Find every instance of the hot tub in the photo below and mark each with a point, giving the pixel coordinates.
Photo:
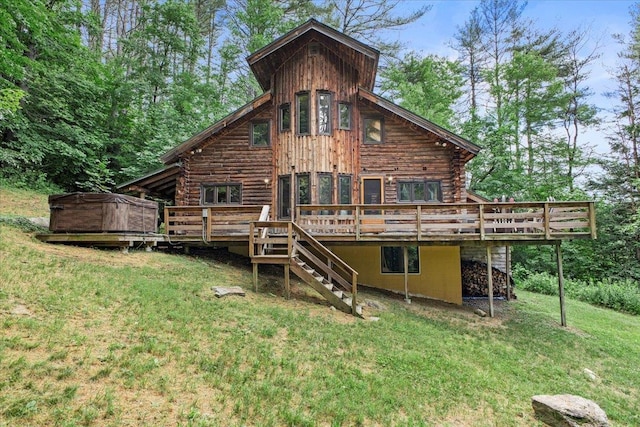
(102, 213)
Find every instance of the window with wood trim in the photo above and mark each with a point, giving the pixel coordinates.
(373, 130)
(284, 117)
(392, 259)
(324, 112)
(221, 194)
(419, 191)
(303, 189)
(260, 136)
(344, 189)
(303, 109)
(344, 116)
(325, 189)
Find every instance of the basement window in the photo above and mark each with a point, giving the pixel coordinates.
(392, 258)
(221, 194)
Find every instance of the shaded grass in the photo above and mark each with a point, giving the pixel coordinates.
(139, 339)
(20, 202)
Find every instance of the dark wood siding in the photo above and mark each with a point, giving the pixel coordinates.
(229, 158)
(313, 153)
(409, 154)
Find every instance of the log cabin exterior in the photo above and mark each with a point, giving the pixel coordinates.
(380, 188)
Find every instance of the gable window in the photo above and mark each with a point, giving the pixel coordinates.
(260, 134)
(373, 130)
(303, 108)
(324, 113)
(344, 116)
(392, 259)
(419, 191)
(221, 194)
(284, 117)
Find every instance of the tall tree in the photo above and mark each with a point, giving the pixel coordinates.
(429, 86)
(366, 20)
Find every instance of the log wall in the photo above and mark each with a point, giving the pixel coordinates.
(409, 154)
(229, 158)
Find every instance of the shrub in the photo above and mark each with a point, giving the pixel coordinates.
(620, 296)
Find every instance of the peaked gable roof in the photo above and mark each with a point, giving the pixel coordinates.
(266, 61)
(174, 154)
(421, 122)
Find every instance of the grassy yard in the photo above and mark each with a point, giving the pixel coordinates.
(96, 337)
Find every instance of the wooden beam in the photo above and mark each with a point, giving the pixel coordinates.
(405, 253)
(563, 314)
(255, 277)
(490, 280)
(287, 284)
(508, 268)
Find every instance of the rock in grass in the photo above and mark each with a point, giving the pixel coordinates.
(566, 410)
(221, 291)
(480, 313)
(590, 374)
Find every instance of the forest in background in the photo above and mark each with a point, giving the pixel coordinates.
(93, 91)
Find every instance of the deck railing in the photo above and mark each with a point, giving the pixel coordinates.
(452, 221)
(209, 223)
(410, 222)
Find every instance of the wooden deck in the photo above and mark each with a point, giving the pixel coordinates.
(424, 224)
(460, 223)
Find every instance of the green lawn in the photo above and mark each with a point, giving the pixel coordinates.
(96, 337)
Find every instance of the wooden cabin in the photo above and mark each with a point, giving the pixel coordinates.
(357, 180)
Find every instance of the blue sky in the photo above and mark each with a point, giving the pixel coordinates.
(434, 31)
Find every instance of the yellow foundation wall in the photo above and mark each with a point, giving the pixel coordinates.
(439, 277)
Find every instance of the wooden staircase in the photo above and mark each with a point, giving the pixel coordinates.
(284, 242)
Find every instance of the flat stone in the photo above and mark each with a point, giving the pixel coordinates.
(480, 313)
(567, 410)
(21, 310)
(221, 291)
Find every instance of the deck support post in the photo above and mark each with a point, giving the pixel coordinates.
(405, 253)
(287, 284)
(255, 276)
(508, 268)
(563, 314)
(490, 281)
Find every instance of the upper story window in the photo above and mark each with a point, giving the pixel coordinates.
(344, 116)
(419, 191)
(324, 113)
(260, 136)
(221, 194)
(303, 108)
(284, 117)
(373, 130)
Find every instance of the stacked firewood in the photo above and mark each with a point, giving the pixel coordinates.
(475, 283)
